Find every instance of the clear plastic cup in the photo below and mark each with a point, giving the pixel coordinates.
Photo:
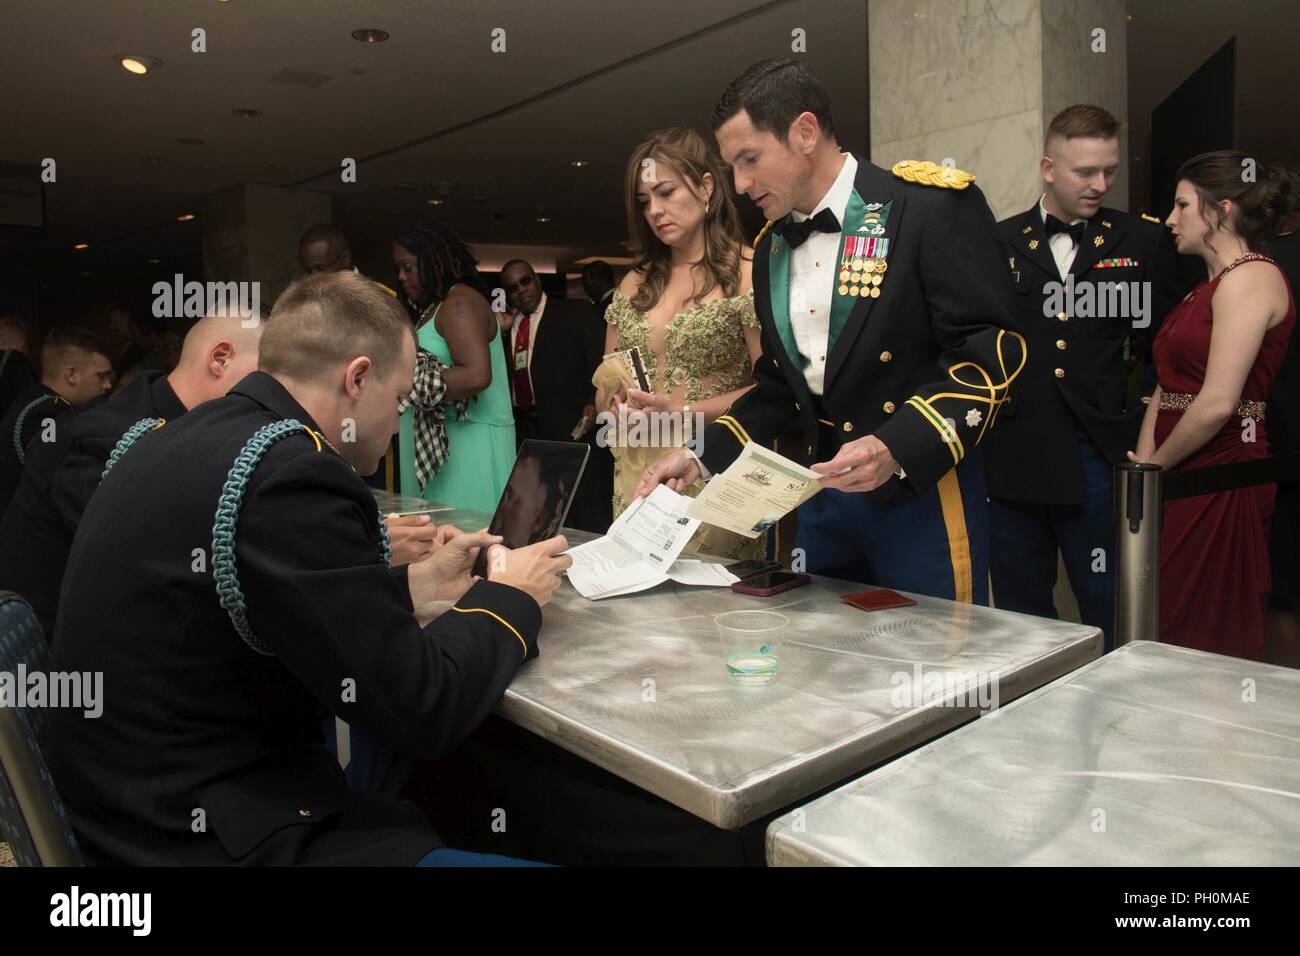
(751, 644)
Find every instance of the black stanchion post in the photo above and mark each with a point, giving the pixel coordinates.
(1139, 506)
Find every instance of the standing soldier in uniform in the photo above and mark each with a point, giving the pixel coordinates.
(887, 337)
(1050, 459)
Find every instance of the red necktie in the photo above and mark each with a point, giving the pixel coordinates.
(523, 387)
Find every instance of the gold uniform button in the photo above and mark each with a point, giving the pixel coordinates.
(1060, 344)
(1063, 317)
(888, 407)
(886, 356)
(848, 426)
(1060, 373)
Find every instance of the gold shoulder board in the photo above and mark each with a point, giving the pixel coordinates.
(926, 173)
(1151, 219)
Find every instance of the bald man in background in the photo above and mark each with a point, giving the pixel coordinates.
(75, 371)
(324, 247)
(37, 529)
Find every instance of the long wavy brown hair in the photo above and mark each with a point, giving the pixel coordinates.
(688, 155)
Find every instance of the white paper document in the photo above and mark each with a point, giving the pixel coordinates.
(755, 492)
(641, 549)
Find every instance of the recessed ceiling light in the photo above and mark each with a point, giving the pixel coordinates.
(191, 141)
(137, 63)
(543, 218)
(81, 245)
(154, 262)
(578, 163)
(370, 36)
(436, 202)
(185, 218)
(246, 114)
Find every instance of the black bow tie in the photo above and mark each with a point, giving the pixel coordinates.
(1054, 225)
(796, 232)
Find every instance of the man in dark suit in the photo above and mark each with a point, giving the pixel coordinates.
(75, 371)
(16, 375)
(37, 530)
(553, 347)
(887, 339)
(223, 646)
(1069, 420)
(599, 285)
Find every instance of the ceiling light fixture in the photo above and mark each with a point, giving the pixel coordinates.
(579, 163)
(370, 36)
(81, 245)
(137, 63)
(186, 218)
(543, 218)
(436, 202)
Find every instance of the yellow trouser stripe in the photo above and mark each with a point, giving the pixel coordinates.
(948, 435)
(954, 520)
(483, 610)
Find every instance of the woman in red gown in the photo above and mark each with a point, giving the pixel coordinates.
(1216, 355)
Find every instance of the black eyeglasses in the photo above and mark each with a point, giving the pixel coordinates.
(526, 280)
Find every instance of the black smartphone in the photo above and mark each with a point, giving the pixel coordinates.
(765, 585)
(747, 569)
(538, 494)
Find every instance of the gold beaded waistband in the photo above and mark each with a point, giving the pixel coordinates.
(1180, 402)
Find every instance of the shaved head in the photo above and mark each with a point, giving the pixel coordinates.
(219, 350)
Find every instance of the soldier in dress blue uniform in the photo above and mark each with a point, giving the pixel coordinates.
(887, 337)
(75, 371)
(224, 643)
(37, 530)
(1070, 420)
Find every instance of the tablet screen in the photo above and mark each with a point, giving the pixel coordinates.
(538, 494)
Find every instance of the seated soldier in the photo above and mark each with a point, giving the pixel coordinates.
(75, 370)
(224, 644)
(59, 478)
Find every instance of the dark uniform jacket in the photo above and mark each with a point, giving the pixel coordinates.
(36, 532)
(209, 751)
(1076, 376)
(936, 345)
(17, 436)
(16, 377)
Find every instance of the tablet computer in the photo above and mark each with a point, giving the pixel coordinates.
(538, 494)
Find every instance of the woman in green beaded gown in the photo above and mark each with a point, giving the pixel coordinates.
(454, 322)
(688, 303)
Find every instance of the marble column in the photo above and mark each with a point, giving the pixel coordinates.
(978, 81)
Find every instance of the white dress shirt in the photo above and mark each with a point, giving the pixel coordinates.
(1062, 244)
(813, 267)
(535, 319)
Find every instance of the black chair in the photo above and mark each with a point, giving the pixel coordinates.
(32, 818)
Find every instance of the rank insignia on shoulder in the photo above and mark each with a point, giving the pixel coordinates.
(1027, 230)
(927, 173)
(1106, 223)
(1151, 219)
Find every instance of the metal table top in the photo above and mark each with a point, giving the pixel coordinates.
(1152, 755)
(389, 502)
(637, 685)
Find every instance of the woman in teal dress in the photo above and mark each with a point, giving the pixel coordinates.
(454, 323)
